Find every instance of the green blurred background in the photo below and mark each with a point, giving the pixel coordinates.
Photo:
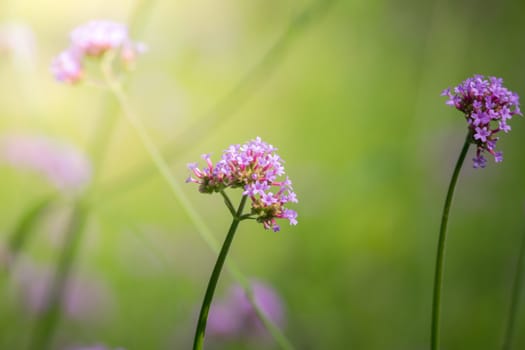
(349, 93)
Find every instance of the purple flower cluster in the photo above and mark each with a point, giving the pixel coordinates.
(255, 167)
(487, 106)
(94, 39)
(63, 165)
(234, 316)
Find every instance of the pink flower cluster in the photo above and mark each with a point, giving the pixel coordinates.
(255, 167)
(63, 165)
(94, 39)
(487, 106)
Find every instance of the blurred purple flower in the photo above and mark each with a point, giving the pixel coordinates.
(255, 167)
(94, 39)
(223, 321)
(487, 106)
(63, 165)
(235, 317)
(83, 298)
(67, 67)
(93, 347)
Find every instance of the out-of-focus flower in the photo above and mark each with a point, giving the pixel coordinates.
(67, 67)
(487, 106)
(17, 41)
(223, 320)
(64, 166)
(83, 298)
(235, 317)
(94, 39)
(255, 167)
(93, 347)
(266, 299)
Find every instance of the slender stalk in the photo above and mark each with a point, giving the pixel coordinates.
(44, 329)
(228, 203)
(515, 296)
(438, 276)
(210, 290)
(274, 331)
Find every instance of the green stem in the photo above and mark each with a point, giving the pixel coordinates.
(210, 290)
(44, 329)
(515, 296)
(438, 276)
(228, 203)
(274, 331)
(248, 216)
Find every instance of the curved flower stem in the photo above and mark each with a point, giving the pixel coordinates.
(514, 299)
(210, 290)
(438, 276)
(179, 195)
(275, 332)
(228, 203)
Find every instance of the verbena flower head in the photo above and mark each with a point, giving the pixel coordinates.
(94, 39)
(64, 166)
(257, 169)
(487, 106)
